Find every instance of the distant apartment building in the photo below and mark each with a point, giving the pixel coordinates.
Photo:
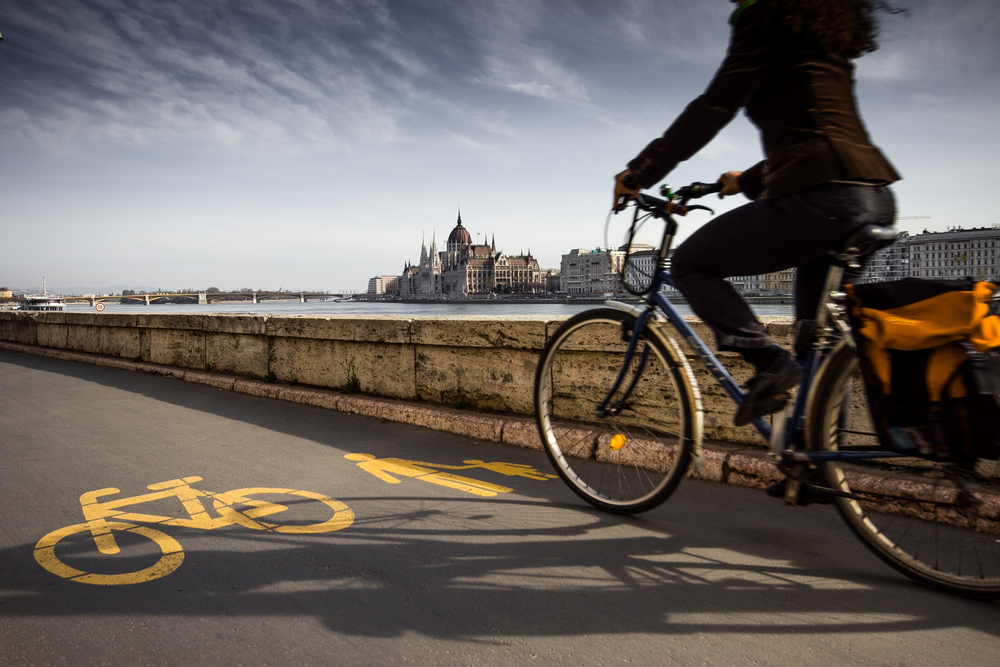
(956, 253)
(779, 282)
(552, 280)
(383, 285)
(641, 267)
(6, 293)
(588, 272)
(890, 263)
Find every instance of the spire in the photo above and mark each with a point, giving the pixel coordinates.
(460, 214)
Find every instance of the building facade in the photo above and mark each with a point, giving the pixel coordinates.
(388, 285)
(957, 253)
(465, 268)
(890, 263)
(589, 272)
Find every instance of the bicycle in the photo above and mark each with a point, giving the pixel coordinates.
(620, 416)
(225, 504)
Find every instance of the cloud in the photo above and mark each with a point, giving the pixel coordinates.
(936, 42)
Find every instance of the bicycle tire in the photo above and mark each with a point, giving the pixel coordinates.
(909, 511)
(248, 518)
(656, 426)
(173, 555)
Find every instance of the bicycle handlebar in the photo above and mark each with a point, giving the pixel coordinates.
(676, 202)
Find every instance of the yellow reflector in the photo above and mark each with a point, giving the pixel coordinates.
(617, 442)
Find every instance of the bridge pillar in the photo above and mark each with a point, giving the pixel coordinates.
(302, 298)
(93, 302)
(255, 297)
(146, 296)
(202, 299)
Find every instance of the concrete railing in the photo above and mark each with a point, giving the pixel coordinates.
(476, 362)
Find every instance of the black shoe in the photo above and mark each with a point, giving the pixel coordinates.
(767, 391)
(807, 494)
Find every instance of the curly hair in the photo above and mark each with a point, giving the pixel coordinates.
(846, 27)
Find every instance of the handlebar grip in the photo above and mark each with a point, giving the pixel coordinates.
(697, 190)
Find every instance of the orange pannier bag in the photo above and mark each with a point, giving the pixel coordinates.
(930, 365)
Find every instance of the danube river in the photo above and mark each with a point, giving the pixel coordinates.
(362, 308)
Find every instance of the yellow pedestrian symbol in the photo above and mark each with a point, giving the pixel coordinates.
(384, 469)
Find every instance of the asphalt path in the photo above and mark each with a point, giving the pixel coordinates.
(425, 558)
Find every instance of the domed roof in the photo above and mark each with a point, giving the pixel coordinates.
(460, 235)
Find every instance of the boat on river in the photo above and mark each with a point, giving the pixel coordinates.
(43, 304)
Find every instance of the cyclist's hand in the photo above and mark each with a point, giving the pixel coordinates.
(730, 184)
(623, 191)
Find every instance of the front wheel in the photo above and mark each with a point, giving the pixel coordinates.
(626, 453)
(937, 523)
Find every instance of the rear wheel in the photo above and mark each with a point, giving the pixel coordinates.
(937, 523)
(629, 456)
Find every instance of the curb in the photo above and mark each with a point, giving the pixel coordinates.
(727, 464)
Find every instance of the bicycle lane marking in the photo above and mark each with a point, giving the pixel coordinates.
(384, 469)
(102, 530)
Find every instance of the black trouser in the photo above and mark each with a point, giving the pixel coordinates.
(769, 235)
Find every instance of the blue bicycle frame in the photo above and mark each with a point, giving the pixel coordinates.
(781, 438)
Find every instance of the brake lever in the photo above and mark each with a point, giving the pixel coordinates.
(699, 207)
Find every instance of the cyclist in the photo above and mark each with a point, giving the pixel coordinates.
(789, 65)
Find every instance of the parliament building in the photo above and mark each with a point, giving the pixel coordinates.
(465, 268)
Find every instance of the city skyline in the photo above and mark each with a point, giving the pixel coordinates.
(266, 143)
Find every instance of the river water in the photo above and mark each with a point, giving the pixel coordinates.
(363, 308)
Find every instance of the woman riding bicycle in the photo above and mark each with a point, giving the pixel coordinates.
(789, 65)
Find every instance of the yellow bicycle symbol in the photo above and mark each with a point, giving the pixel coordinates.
(233, 507)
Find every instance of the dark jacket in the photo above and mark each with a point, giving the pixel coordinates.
(800, 97)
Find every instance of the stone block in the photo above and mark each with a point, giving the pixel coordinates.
(716, 458)
(239, 354)
(112, 320)
(360, 405)
(211, 379)
(258, 388)
(119, 341)
(315, 397)
(493, 379)
(522, 432)
(371, 329)
(177, 347)
(178, 321)
(514, 333)
(240, 325)
(381, 369)
(751, 469)
(50, 334)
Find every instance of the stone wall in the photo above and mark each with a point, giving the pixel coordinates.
(474, 362)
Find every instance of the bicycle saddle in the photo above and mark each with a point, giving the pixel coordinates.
(863, 241)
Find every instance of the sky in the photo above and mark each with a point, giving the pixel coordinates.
(313, 144)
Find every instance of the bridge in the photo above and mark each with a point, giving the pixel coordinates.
(207, 298)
